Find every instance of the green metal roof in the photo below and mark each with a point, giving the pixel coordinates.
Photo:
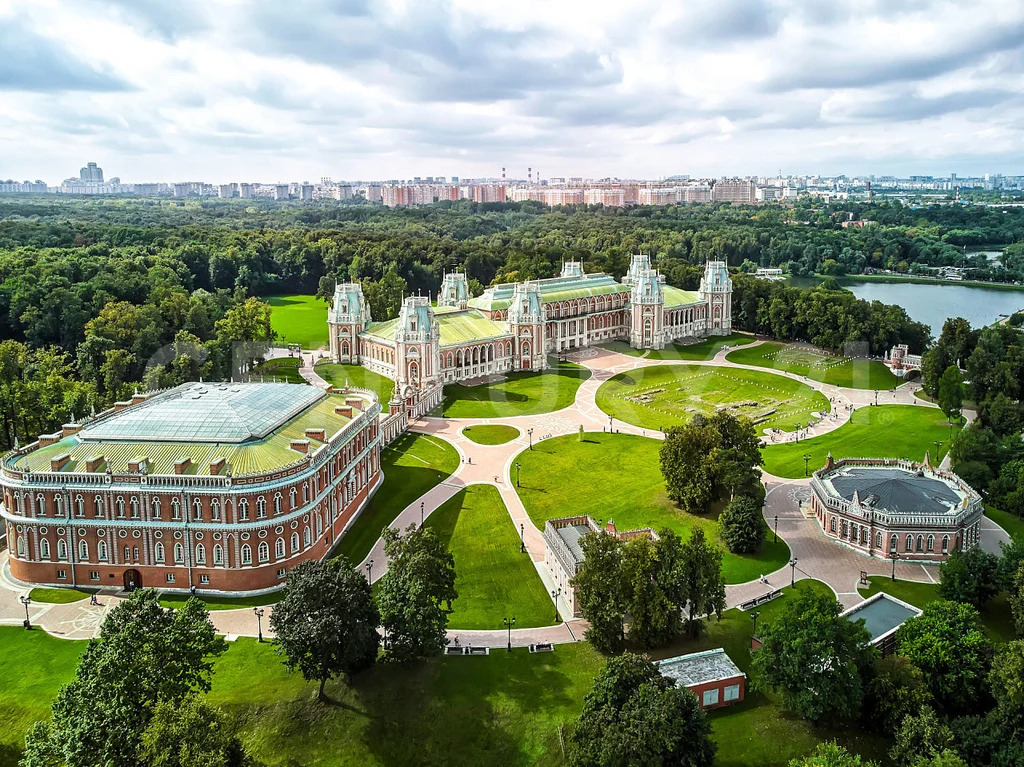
(676, 297)
(255, 456)
(498, 297)
(469, 326)
(385, 330)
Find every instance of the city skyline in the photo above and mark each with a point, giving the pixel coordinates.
(358, 91)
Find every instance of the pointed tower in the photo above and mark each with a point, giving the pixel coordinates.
(716, 292)
(646, 307)
(417, 348)
(572, 269)
(526, 324)
(454, 290)
(640, 262)
(347, 317)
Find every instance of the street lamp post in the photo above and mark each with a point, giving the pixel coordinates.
(792, 571)
(369, 572)
(775, 537)
(522, 537)
(555, 595)
(421, 513)
(508, 625)
(258, 612)
(611, 424)
(26, 601)
(518, 467)
(894, 555)
(937, 444)
(529, 433)
(807, 460)
(754, 616)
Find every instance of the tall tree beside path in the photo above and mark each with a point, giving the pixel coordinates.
(697, 581)
(415, 595)
(245, 333)
(599, 591)
(326, 622)
(951, 392)
(144, 656)
(814, 659)
(742, 525)
(636, 716)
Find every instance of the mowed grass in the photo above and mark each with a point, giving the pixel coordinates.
(59, 596)
(1014, 526)
(885, 431)
(282, 368)
(493, 578)
(701, 351)
(176, 601)
(504, 708)
(661, 396)
(491, 433)
(618, 477)
(995, 617)
(337, 375)
(412, 464)
(516, 393)
(299, 320)
(817, 365)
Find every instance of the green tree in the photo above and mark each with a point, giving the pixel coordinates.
(653, 618)
(634, 715)
(189, 733)
(921, 736)
(1007, 680)
(326, 621)
(599, 590)
(971, 577)
(951, 392)
(689, 464)
(1016, 597)
(947, 643)
(813, 658)
(742, 525)
(415, 595)
(696, 581)
(830, 754)
(144, 656)
(246, 331)
(897, 689)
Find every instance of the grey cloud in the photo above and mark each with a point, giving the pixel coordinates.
(707, 23)
(909, 106)
(169, 20)
(34, 63)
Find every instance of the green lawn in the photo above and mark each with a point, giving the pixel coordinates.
(996, 617)
(355, 375)
(702, 350)
(222, 603)
(299, 320)
(491, 433)
(1014, 526)
(886, 431)
(617, 477)
(504, 708)
(818, 366)
(494, 579)
(668, 395)
(411, 465)
(281, 368)
(59, 596)
(516, 394)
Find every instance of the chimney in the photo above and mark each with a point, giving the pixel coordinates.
(58, 463)
(93, 462)
(49, 439)
(70, 428)
(216, 465)
(354, 402)
(317, 434)
(182, 464)
(343, 410)
(829, 462)
(610, 527)
(138, 465)
(299, 445)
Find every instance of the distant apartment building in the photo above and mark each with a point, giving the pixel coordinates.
(739, 191)
(281, 192)
(91, 174)
(610, 198)
(193, 189)
(695, 193)
(23, 187)
(306, 192)
(227, 191)
(487, 192)
(246, 191)
(152, 189)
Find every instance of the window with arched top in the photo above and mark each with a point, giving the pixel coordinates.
(243, 510)
(156, 508)
(305, 495)
(197, 509)
(246, 555)
(910, 542)
(179, 553)
(175, 508)
(21, 547)
(215, 510)
(218, 554)
(277, 503)
(101, 551)
(158, 552)
(133, 506)
(79, 506)
(261, 507)
(295, 543)
(945, 544)
(306, 541)
(200, 554)
(931, 543)
(291, 497)
(319, 525)
(279, 548)
(98, 505)
(878, 540)
(119, 506)
(83, 550)
(264, 551)
(920, 543)
(893, 542)
(62, 549)
(44, 549)
(40, 505)
(58, 505)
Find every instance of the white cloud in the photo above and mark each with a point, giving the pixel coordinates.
(245, 89)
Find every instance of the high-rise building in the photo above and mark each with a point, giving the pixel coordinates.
(742, 191)
(91, 174)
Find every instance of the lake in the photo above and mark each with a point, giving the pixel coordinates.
(933, 304)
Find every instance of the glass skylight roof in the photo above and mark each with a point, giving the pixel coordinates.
(208, 412)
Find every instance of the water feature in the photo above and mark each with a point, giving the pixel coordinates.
(933, 304)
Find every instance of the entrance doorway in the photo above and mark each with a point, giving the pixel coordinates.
(132, 580)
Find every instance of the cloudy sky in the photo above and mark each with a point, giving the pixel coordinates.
(359, 89)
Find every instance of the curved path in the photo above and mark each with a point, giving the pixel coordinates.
(817, 556)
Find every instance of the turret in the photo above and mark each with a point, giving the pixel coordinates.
(454, 290)
(646, 307)
(526, 324)
(716, 292)
(572, 269)
(347, 317)
(640, 262)
(417, 346)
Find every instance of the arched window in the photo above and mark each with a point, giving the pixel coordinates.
(264, 551)
(40, 505)
(119, 505)
(305, 494)
(261, 507)
(243, 509)
(246, 555)
(218, 555)
(291, 497)
(277, 503)
(175, 508)
(920, 543)
(179, 553)
(878, 540)
(200, 554)
(134, 505)
(159, 552)
(21, 547)
(79, 506)
(83, 550)
(98, 505)
(101, 551)
(197, 509)
(945, 544)
(931, 543)
(135, 553)
(306, 537)
(16, 497)
(893, 542)
(295, 543)
(319, 525)
(62, 549)
(156, 508)
(58, 505)
(832, 524)
(215, 510)
(279, 548)
(44, 549)
(910, 542)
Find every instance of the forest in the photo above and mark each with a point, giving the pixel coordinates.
(99, 296)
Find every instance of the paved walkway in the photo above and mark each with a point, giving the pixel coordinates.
(817, 557)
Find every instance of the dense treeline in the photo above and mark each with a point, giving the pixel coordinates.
(98, 296)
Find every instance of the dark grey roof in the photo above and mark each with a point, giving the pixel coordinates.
(882, 614)
(699, 667)
(572, 535)
(896, 490)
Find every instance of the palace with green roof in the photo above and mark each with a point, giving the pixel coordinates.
(514, 326)
(220, 487)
